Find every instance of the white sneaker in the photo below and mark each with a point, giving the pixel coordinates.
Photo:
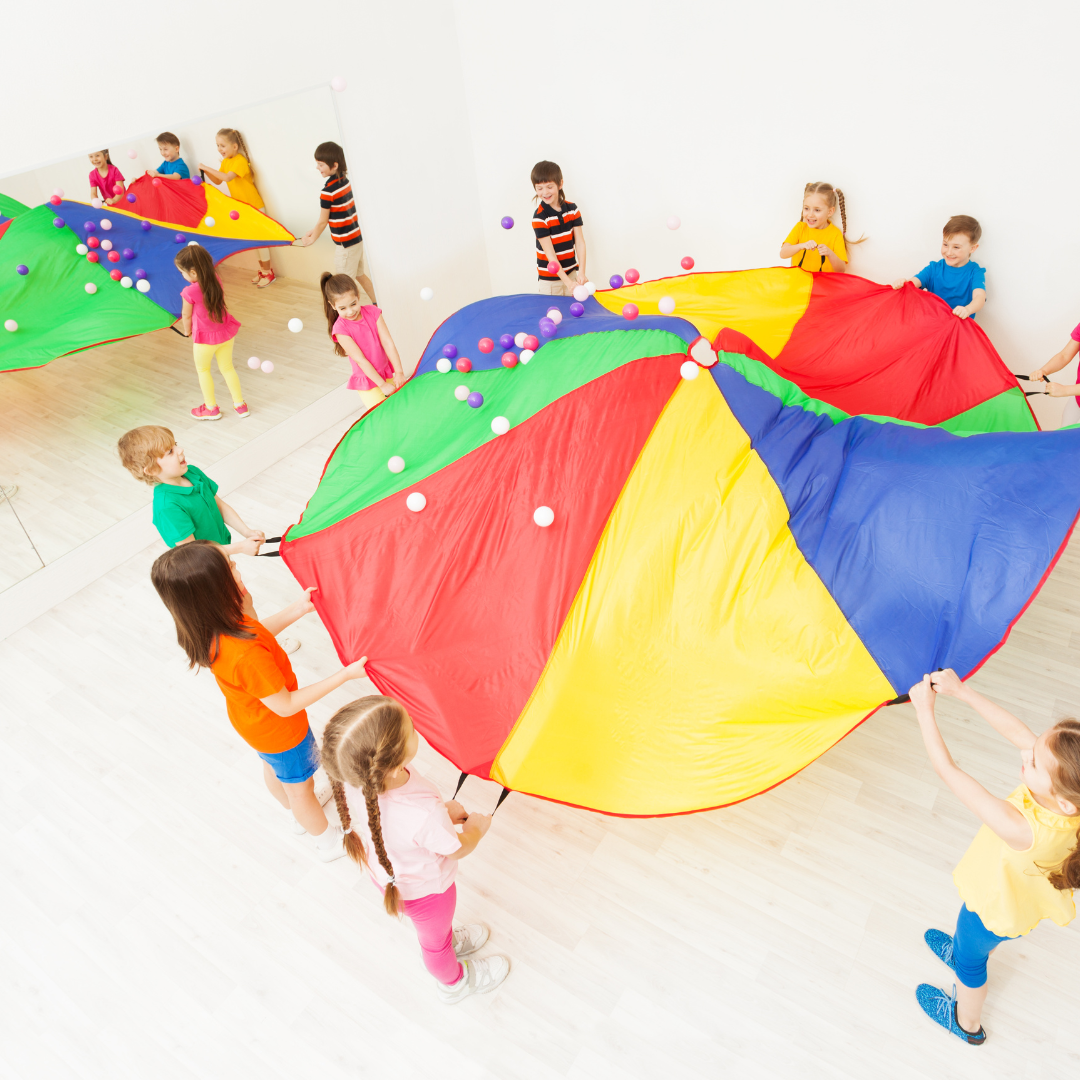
(467, 939)
(294, 826)
(479, 977)
(289, 644)
(323, 791)
(330, 845)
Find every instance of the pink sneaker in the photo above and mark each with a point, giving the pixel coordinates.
(203, 413)
(242, 409)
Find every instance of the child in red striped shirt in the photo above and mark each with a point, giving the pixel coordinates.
(559, 236)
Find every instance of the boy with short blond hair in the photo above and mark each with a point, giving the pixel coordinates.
(960, 282)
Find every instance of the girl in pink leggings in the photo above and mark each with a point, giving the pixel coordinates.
(367, 748)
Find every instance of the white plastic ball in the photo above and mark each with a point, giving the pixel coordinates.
(95, 202)
(106, 245)
(673, 222)
(689, 369)
(461, 392)
(58, 192)
(555, 315)
(142, 285)
(126, 282)
(338, 83)
(253, 362)
(133, 154)
(295, 325)
(666, 305)
(105, 223)
(519, 339)
(526, 355)
(500, 425)
(443, 365)
(193, 243)
(543, 516)
(209, 222)
(11, 325)
(90, 287)
(396, 464)
(82, 249)
(591, 286)
(426, 293)
(416, 501)
(267, 366)
(581, 293)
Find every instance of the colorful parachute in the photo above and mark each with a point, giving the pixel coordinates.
(50, 305)
(737, 574)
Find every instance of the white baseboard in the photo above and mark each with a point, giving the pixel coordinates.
(55, 582)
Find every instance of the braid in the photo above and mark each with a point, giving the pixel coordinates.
(354, 846)
(843, 213)
(391, 896)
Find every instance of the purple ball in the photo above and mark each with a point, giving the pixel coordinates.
(475, 399)
(89, 226)
(615, 281)
(58, 222)
(146, 226)
(545, 321)
(140, 274)
(506, 341)
(449, 351)
(130, 197)
(196, 180)
(128, 253)
(507, 222)
(179, 238)
(23, 269)
(577, 310)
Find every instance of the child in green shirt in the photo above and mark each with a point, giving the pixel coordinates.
(186, 504)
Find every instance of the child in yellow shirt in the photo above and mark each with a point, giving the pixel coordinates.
(237, 173)
(1024, 862)
(816, 244)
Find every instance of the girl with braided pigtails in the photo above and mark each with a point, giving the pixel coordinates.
(387, 808)
(815, 243)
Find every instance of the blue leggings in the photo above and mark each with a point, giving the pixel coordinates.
(972, 944)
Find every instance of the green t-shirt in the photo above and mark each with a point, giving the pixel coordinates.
(180, 512)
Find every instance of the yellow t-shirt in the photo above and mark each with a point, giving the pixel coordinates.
(242, 187)
(830, 236)
(1008, 889)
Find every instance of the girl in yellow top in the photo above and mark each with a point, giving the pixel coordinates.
(236, 172)
(816, 244)
(1024, 862)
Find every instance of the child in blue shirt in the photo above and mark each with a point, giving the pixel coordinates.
(960, 282)
(173, 166)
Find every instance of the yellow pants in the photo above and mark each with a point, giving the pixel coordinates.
(371, 397)
(203, 356)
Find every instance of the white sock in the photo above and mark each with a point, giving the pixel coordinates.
(329, 838)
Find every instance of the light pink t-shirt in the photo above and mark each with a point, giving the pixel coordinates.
(204, 331)
(365, 332)
(106, 184)
(417, 834)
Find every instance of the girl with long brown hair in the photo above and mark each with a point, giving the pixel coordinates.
(815, 243)
(217, 627)
(211, 328)
(399, 828)
(1024, 862)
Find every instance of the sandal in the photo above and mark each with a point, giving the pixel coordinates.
(265, 279)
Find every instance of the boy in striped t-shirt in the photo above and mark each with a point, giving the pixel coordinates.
(559, 237)
(338, 210)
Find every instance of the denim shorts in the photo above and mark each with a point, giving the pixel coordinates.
(296, 765)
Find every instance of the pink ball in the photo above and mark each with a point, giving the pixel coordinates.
(234, 214)
(56, 200)
(116, 275)
(114, 256)
(509, 359)
(485, 345)
(156, 181)
(253, 362)
(553, 267)
(463, 364)
(531, 342)
(267, 366)
(133, 154)
(631, 276)
(630, 311)
(92, 241)
(92, 256)
(686, 262)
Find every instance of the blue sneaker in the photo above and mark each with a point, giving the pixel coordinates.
(942, 1010)
(940, 945)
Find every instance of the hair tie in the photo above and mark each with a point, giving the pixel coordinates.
(348, 828)
(392, 881)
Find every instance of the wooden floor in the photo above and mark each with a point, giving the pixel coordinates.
(61, 421)
(156, 921)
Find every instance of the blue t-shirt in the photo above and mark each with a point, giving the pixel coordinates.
(177, 166)
(954, 284)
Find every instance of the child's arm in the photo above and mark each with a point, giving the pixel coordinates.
(116, 198)
(316, 230)
(839, 265)
(549, 250)
(978, 298)
(217, 175)
(233, 520)
(185, 317)
(789, 251)
(899, 283)
(288, 615)
(1057, 361)
(290, 702)
(947, 682)
(472, 833)
(366, 366)
(579, 247)
(1001, 816)
(391, 351)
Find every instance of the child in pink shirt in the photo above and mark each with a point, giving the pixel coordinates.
(1056, 362)
(359, 332)
(106, 180)
(402, 820)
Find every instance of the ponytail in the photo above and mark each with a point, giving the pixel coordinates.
(196, 260)
(236, 138)
(1063, 741)
(333, 287)
(354, 846)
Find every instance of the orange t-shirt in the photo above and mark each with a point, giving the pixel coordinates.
(254, 668)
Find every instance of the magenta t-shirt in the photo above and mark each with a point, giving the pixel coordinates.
(204, 331)
(106, 184)
(365, 332)
(1075, 335)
